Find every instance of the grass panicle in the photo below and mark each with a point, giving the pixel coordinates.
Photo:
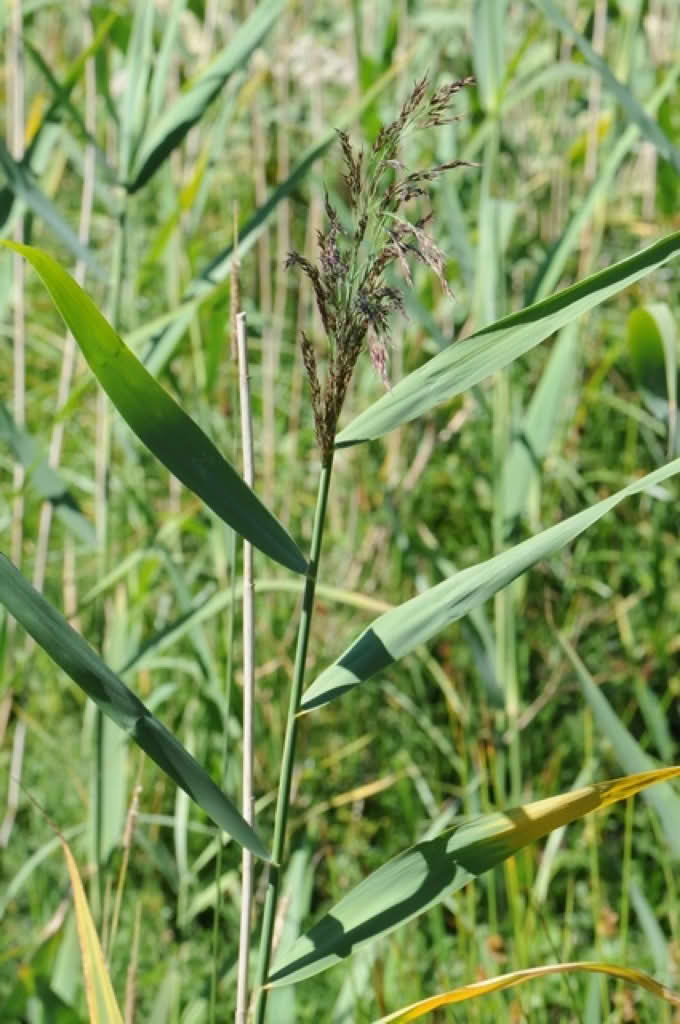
(354, 300)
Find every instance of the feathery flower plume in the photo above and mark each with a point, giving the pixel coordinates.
(353, 299)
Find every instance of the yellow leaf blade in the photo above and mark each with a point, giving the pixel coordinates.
(480, 988)
(101, 1001)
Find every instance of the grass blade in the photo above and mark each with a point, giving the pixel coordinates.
(415, 622)
(481, 988)
(101, 1001)
(47, 482)
(22, 185)
(139, 60)
(634, 112)
(422, 876)
(163, 60)
(540, 424)
(556, 260)
(158, 421)
(172, 127)
(62, 90)
(652, 337)
(72, 653)
(629, 754)
(468, 362)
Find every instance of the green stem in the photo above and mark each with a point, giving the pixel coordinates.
(283, 799)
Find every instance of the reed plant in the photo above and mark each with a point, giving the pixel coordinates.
(377, 233)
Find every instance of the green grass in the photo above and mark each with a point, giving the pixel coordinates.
(552, 202)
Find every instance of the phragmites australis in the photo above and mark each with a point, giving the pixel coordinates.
(354, 301)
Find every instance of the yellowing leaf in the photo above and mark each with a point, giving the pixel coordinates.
(480, 988)
(101, 1001)
(421, 877)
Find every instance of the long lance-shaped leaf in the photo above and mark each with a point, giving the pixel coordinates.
(74, 655)
(21, 182)
(158, 421)
(422, 876)
(101, 1001)
(631, 975)
(635, 113)
(397, 632)
(468, 362)
(173, 126)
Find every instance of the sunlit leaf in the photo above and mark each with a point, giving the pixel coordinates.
(542, 420)
(481, 988)
(399, 631)
(421, 877)
(635, 113)
(467, 362)
(628, 752)
(174, 124)
(652, 336)
(101, 1001)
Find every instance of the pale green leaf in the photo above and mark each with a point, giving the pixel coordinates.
(422, 876)
(172, 126)
(468, 362)
(400, 630)
(46, 481)
(629, 754)
(634, 112)
(101, 1001)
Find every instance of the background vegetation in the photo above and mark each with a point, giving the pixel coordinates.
(495, 711)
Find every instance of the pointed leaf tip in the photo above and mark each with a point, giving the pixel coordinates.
(420, 877)
(157, 419)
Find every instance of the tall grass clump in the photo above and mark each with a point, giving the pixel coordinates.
(367, 248)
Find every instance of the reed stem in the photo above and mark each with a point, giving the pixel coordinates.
(287, 761)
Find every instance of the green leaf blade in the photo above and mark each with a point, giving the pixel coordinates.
(173, 126)
(419, 878)
(649, 128)
(74, 655)
(22, 185)
(158, 421)
(399, 631)
(468, 362)
(629, 754)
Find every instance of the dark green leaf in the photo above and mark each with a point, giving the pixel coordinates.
(71, 652)
(159, 421)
